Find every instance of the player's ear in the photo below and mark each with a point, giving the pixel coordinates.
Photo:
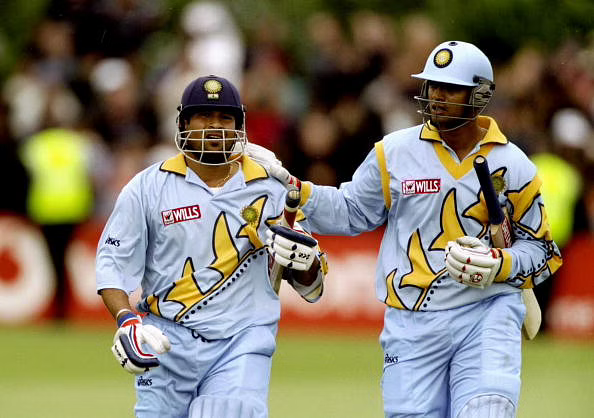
(180, 120)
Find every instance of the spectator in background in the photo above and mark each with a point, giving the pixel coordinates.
(13, 199)
(389, 94)
(559, 168)
(125, 121)
(109, 28)
(209, 42)
(273, 93)
(317, 137)
(215, 44)
(61, 193)
(339, 126)
(38, 92)
(121, 115)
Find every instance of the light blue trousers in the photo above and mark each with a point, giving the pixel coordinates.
(435, 362)
(235, 368)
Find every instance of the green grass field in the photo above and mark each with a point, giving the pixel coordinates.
(51, 372)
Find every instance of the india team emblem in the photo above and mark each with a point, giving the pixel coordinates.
(442, 58)
(498, 183)
(212, 88)
(250, 215)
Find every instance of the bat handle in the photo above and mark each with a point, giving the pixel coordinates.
(481, 167)
(292, 201)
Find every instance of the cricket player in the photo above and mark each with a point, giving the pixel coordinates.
(190, 231)
(452, 327)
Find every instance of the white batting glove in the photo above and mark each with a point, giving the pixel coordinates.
(128, 340)
(262, 155)
(291, 249)
(472, 263)
(273, 165)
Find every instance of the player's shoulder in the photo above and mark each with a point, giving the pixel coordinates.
(402, 141)
(148, 176)
(514, 155)
(519, 169)
(257, 176)
(403, 136)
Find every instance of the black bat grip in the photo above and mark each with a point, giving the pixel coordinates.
(483, 174)
(293, 198)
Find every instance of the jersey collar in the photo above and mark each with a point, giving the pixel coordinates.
(250, 168)
(493, 135)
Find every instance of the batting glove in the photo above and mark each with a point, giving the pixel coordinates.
(128, 340)
(273, 165)
(472, 263)
(291, 249)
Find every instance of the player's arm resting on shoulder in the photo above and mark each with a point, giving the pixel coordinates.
(305, 265)
(273, 165)
(474, 264)
(132, 334)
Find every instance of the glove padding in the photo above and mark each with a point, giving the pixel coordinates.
(127, 346)
(472, 263)
(273, 165)
(291, 249)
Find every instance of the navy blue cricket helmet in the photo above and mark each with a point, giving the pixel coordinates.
(211, 93)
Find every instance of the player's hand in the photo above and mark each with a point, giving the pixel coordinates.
(290, 248)
(273, 165)
(128, 340)
(472, 263)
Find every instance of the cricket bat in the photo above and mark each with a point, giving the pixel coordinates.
(501, 235)
(292, 201)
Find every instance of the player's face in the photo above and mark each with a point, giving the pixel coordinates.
(212, 133)
(446, 103)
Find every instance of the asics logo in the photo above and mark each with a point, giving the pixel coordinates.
(112, 241)
(388, 359)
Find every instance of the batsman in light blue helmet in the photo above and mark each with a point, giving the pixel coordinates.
(459, 64)
(452, 333)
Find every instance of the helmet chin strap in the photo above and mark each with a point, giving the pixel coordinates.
(200, 155)
(434, 126)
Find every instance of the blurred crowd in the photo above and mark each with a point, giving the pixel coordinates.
(93, 100)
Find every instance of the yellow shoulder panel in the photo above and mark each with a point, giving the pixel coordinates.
(385, 176)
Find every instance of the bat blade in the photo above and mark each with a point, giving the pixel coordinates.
(502, 237)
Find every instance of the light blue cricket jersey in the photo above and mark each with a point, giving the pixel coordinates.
(197, 259)
(413, 181)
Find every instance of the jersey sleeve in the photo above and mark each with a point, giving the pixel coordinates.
(122, 247)
(357, 206)
(534, 256)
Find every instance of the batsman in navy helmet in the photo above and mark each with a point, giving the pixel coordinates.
(190, 233)
(202, 138)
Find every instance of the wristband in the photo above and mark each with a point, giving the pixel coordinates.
(120, 311)
(130, 316)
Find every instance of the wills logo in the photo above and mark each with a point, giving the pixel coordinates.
(144, 382)
(188, 213)
(422, 186)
